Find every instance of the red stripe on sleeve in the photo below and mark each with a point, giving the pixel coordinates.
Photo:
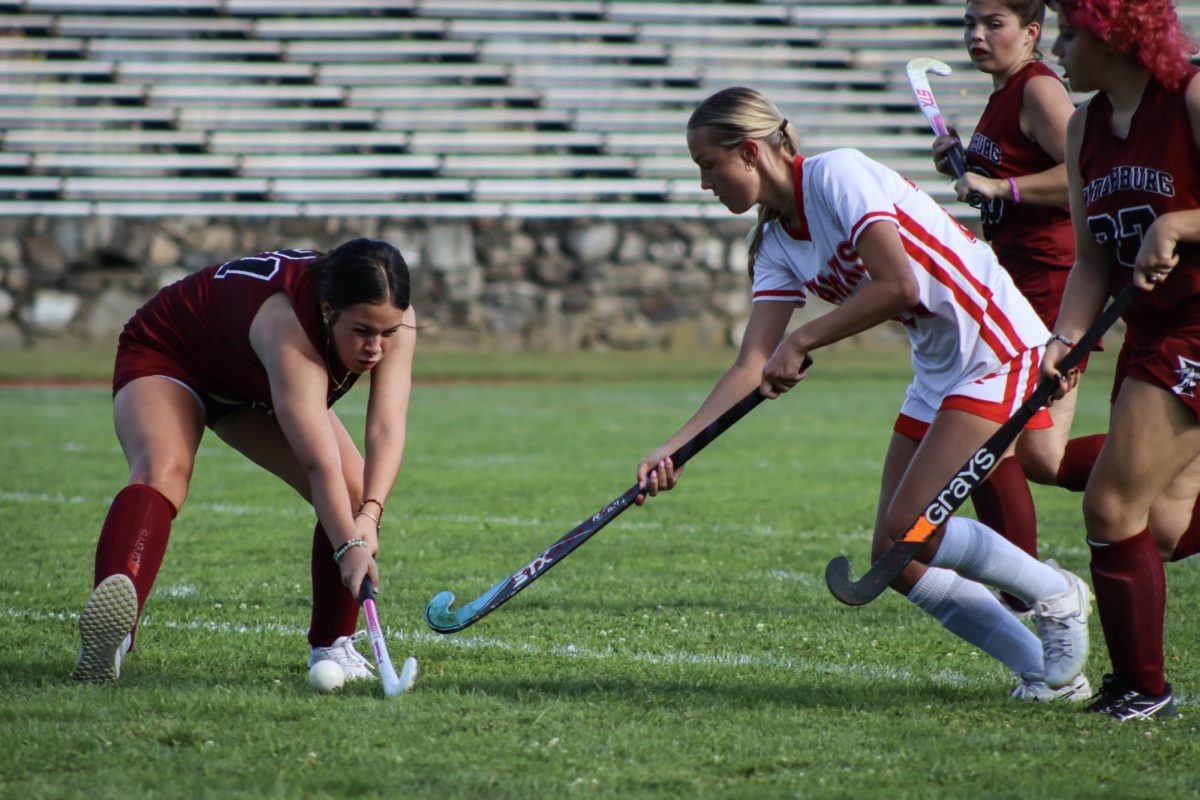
(867, 219)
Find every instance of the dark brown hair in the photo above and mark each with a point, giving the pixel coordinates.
(362, 271)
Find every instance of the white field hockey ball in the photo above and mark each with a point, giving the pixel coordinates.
(326, 676)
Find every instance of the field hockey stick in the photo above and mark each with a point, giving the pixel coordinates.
(974, 472)
(918, 79)
(444, 620)
(393, 684)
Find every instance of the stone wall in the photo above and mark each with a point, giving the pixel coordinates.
(548, 285)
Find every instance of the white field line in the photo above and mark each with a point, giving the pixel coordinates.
(727, 659)
(299, 509)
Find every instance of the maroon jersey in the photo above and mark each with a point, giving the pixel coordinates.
(1128, 183)
(1020, 234)
(201, 325)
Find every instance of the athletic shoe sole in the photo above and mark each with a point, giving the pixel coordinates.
(107, 618)
(1078, 691)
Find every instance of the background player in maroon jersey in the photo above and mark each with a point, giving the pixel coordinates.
(1133, 158)
(258, 349)
(1015, 163)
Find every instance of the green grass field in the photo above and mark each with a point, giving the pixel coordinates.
(689, 650)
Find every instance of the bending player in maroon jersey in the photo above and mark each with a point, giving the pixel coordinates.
(259, 349)
(1015, 163)
(849, 230)
(1133, 159)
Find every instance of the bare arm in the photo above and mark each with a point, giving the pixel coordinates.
(1158, 254)
(299, 380)
(387, 413)
(767, 324)
(892, 289)
(1045, 109)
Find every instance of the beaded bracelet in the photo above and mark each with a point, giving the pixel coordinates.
(376, 502)
(1058, 337)
(345, 548)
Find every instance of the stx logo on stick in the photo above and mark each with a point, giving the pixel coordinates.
(925, 98)
(530, 570)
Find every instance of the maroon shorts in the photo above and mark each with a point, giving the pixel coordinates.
(136, 360)
(1171, 362)
(1043, 287)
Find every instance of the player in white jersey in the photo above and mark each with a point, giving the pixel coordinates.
(969, 322)
(855, 233)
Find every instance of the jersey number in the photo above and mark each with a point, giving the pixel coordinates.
(262, 267)
(1124, 233)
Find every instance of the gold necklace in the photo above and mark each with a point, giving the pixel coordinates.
(337, 387)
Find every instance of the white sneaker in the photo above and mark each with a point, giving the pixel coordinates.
(1034, 688)
(1061, 622)
(346, 655)
(105, 625)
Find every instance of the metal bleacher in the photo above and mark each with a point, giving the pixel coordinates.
(432, 108)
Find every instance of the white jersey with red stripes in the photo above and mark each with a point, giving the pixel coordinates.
(971, 318)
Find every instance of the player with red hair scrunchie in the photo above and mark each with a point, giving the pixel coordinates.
(1133, 169)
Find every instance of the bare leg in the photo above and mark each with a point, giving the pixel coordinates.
(258, 436)
(159, 425)
(1146, 470)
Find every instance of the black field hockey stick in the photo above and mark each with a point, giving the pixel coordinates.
(966, 480)
(443, 619)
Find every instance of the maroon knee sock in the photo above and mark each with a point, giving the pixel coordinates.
(134, 538)
(1077, 461)
(1004, 503)
(1131, 593)
(334, 608)
(1189, 543)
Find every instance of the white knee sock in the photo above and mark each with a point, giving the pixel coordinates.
(975, 551)
(973, 614)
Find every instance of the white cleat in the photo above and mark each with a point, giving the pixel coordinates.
(343, 651)
(1036, 689)
(105, 625)
(1061, 622)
